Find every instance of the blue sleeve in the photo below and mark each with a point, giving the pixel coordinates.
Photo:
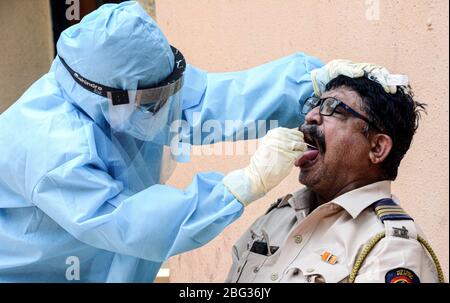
(250, 98)
(153, 224)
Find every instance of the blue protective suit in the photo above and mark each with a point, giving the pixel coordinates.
(65, 192)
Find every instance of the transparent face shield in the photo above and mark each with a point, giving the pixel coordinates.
(140, 123)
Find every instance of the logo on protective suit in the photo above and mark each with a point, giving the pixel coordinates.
(97, 89)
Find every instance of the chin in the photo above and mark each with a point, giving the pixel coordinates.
(305, 179)
(312, 174)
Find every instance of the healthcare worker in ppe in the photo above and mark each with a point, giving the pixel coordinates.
(86, 150)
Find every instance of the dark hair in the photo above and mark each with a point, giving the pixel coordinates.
(397, 115)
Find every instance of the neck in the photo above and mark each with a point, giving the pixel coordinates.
(329, 195)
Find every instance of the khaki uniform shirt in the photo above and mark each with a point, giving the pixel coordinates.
(298, 237)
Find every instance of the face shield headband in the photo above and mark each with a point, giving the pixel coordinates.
(151, 99)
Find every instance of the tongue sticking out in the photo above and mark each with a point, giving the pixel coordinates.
(308, 157)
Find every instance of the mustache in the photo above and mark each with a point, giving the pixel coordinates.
(314, 133)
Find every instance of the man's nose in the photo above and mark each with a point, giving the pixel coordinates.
(314, 116)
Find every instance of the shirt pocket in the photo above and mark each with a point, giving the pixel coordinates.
(249, 267)
(311, 269)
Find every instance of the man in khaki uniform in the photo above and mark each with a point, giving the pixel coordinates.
(345, 225)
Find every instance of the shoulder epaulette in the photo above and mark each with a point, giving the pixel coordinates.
(281, 202)
(398, 224)
(387, 209)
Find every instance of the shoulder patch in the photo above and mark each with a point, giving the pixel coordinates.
(387, 209)
(281, 202)
(401, 275)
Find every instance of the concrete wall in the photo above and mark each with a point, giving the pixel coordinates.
(406, 36)
(27, 46)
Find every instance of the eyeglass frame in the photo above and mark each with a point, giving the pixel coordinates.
(339, 104)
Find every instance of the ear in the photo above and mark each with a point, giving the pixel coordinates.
(380, 147)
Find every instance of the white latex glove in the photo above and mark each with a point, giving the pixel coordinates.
(271, 163)
(321, 76)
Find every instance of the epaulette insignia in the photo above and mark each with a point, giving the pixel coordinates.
(387, 209)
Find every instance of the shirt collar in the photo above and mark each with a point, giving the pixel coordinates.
(357, 200)
(302, 199)
(354, 202)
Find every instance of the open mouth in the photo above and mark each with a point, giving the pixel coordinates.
(309, 158)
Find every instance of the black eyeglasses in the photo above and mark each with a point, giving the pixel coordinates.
(328, 106)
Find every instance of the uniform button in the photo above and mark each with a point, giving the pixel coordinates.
(310, 270)
(298, 239)
(256, 269)
(239, 269)
(274, 276)
(296, 272)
